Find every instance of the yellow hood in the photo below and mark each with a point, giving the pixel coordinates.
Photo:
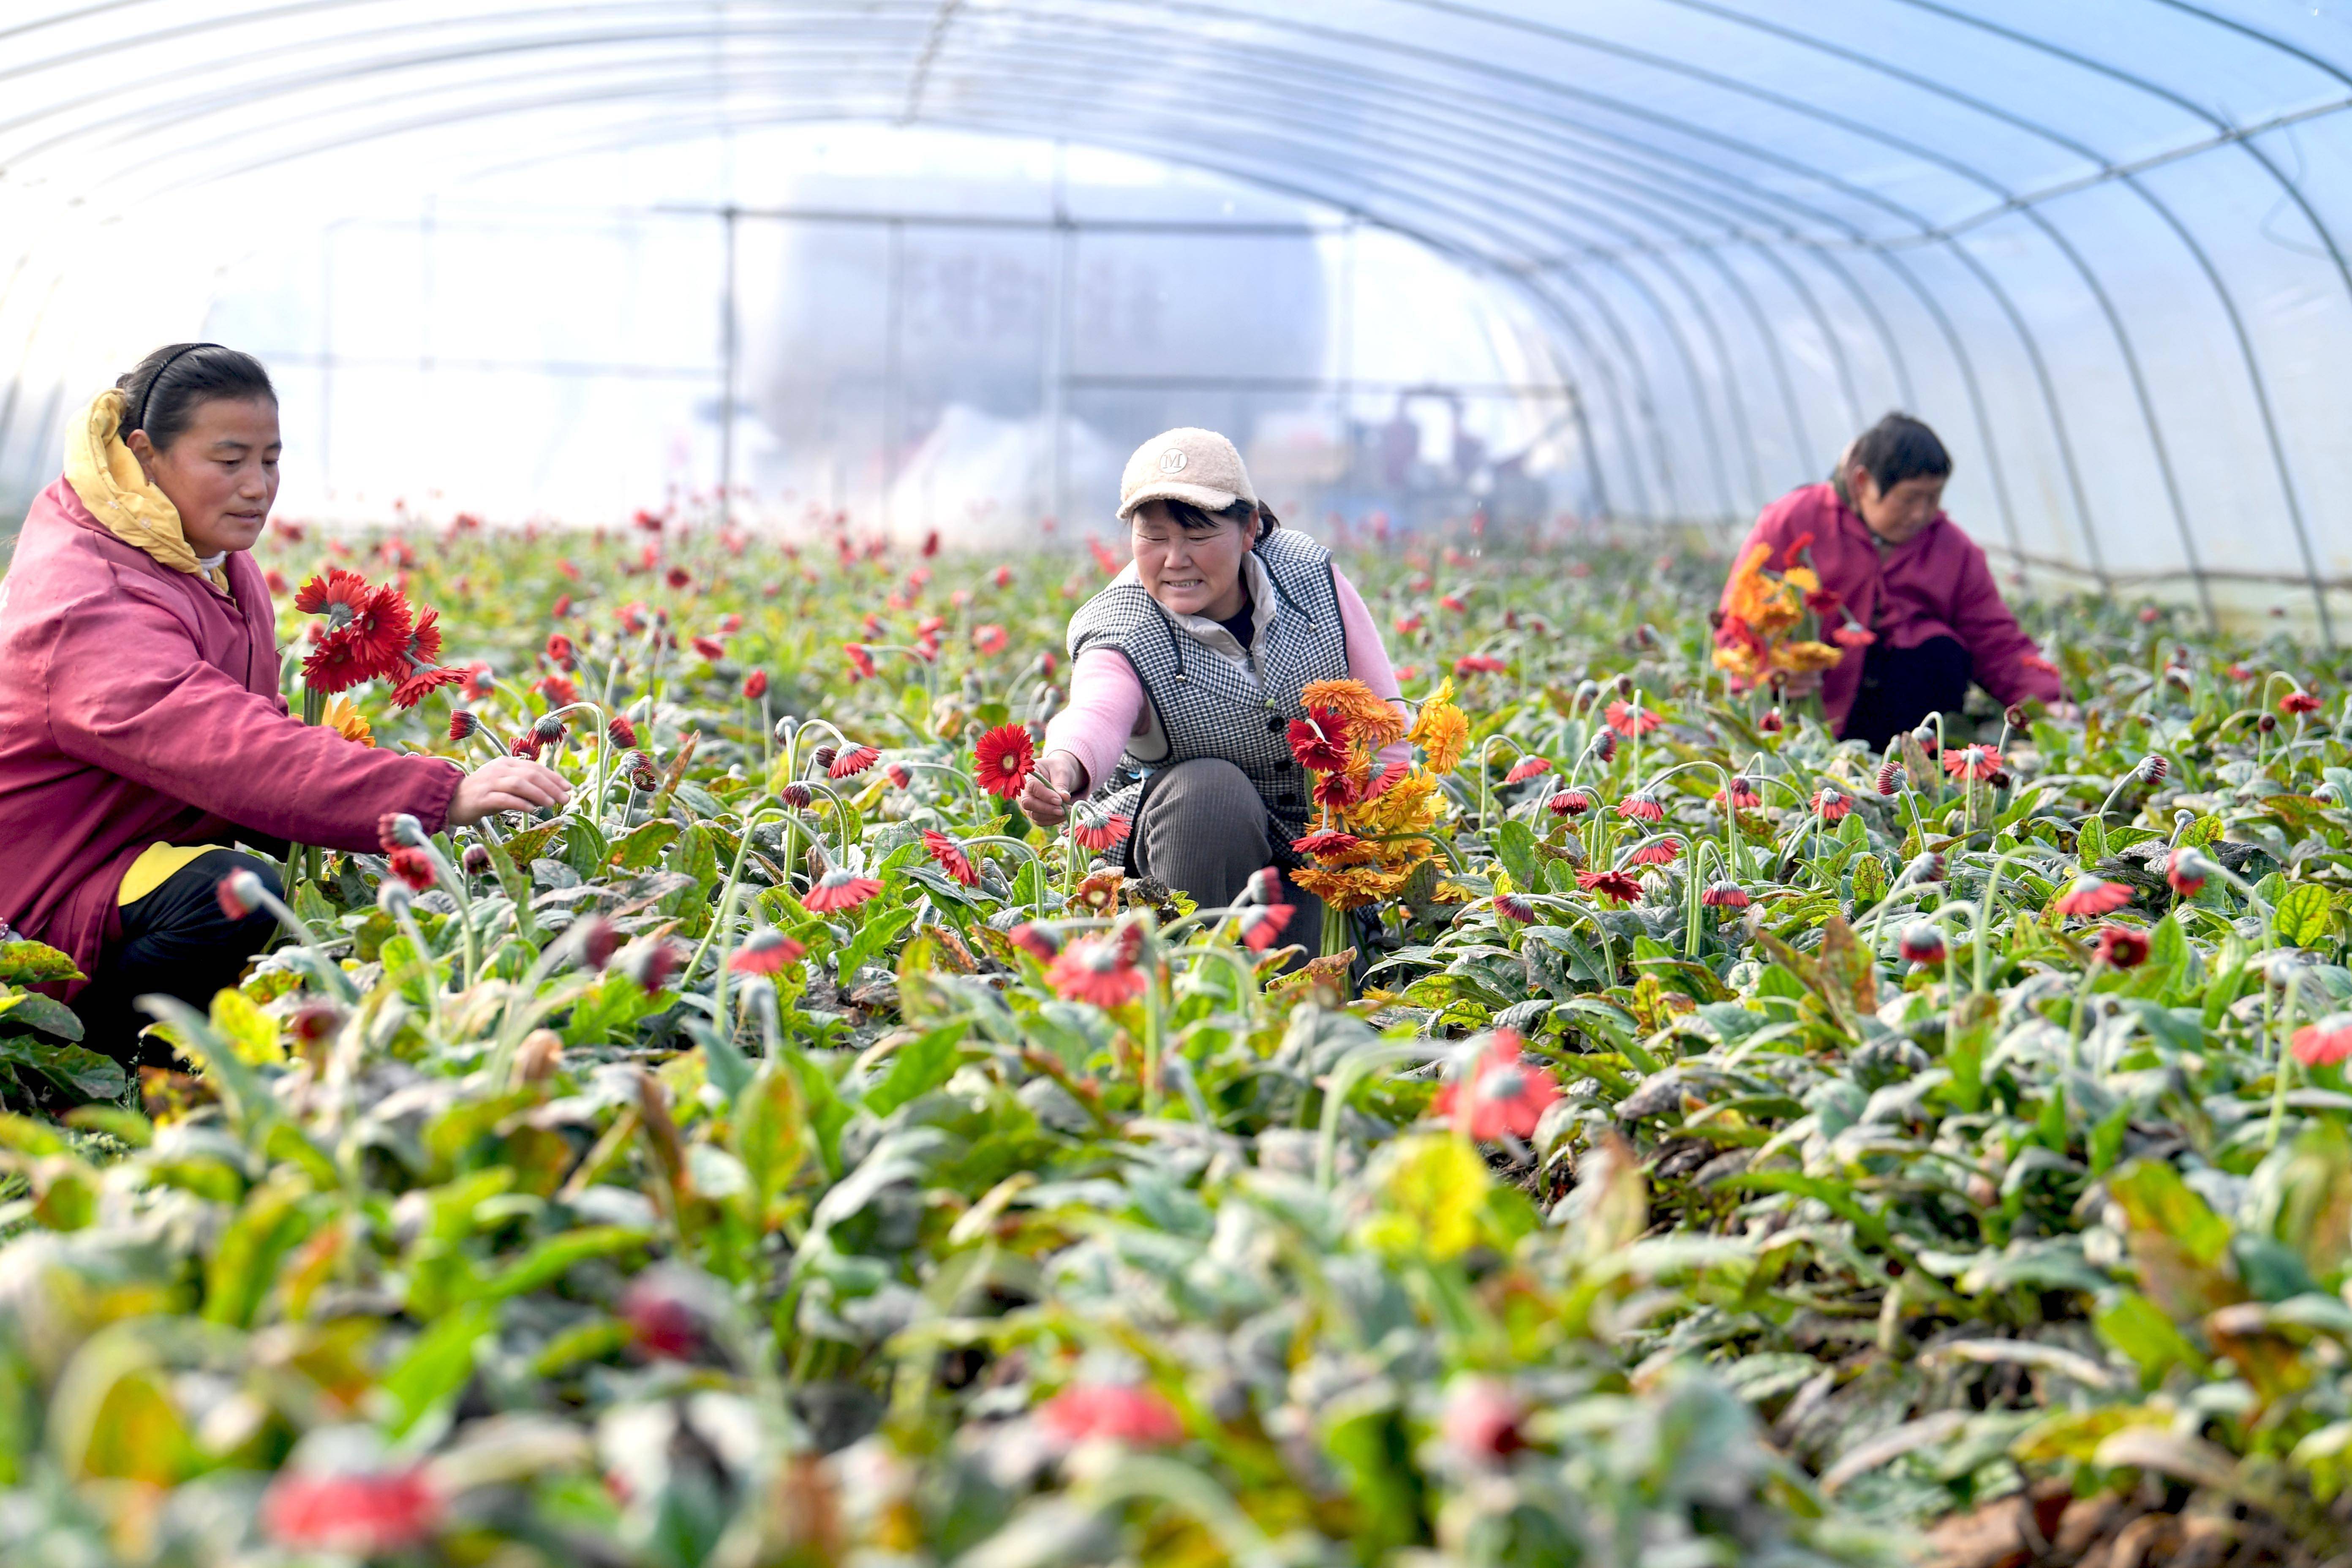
(107, 477)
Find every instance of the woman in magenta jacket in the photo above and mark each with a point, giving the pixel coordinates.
(1893, 563)
(141, 730)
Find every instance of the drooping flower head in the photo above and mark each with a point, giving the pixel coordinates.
(239, 894)
(1923, 942)
(1656, 852)
(2297, 702)
(851, 762)
(2187, 868)
(1612, 884)
(356, 1514)
(1035, 940)
(422, 683)
(1110, 1413)
(1569, 802)
(2089, 895)
(1831, 804)
(1741, 791)
(2324, 1043)
(1892, 778)
(765, 952)
(1100, 970)
(1003, 760)
(1098, 834)
(1527, 768)
(839, 888)
(950, 857)
(1499, 1092)
(1642, 806)
(1722, 894)
(1974, 763)
(1629, 721)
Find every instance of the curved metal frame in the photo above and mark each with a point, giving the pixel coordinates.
(1469, 172)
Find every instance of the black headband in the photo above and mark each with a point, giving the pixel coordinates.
(148, 397)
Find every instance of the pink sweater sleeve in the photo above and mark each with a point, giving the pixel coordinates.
(1106, 700)
(1368, 658)
(1105, 705)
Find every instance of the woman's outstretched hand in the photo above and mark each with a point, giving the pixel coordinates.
(510, 784)
(1045, 798)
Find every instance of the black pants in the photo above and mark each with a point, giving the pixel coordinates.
(1902, 686)
(176, 942)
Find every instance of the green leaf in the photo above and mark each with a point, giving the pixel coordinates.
(2301, 917)
(1515, 846)
(2091, 841)
(554, 1257)
(2134, 1325)
(2202, 832)
(917, 1067)
(250, 1031)
(641, 848)
(34, 964)
(437, 1365)
(2179, 1244)
(584, 849)
(46, 1013)
(515, 884)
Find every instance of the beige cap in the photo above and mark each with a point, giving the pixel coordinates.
(1188, 465)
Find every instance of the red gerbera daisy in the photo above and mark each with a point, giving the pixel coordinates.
(1614, 884)
(1724, 895)
(1642, 806)
(1517, 907)
(1741, 791)
(1097, 969)
(1319, 741)
(2121, 947)
(950, 857)
(1390, 776)
(1976, 763)
(560, 651)
(755, 686)
(1326, 841)
(354, 1514)
(2298, 702)
(860, 658)
(463, 724)
(425, 638)
(1527, 768)
(2187, 870)
(2327, 1041)
(2091, 895)
(1096, 836)
(1035, 940)
(1004, 758)
(1569, 802)
(1892, 778)
(1829, 804)
(1657, 852)
(765, 952)
(1501, 1093)
(1261, 923)
(621, 732)
(382, 628)
(336, 593)
(339, 663)
(839, 888)
(1622, 716)
(422, 683)
(849, 763)
(1111, 1413)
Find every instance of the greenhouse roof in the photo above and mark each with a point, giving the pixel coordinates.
(2102, 245)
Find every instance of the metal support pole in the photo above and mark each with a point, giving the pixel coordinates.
(730, 353)
(893, 371)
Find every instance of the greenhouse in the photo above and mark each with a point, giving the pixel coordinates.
(991, 783)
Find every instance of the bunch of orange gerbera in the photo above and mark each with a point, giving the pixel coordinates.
(1760, 608)
(1373, 815)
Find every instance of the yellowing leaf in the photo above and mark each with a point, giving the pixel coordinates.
(1435, 1185)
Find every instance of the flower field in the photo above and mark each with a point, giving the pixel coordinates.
(1699, 1143)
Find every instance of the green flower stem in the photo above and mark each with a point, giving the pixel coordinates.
(1038, 907)
(450, 878)
(1984, 908)
(1350, 1070)
(406, 918)
(1731, 843)
(726, 918)
(1485, 782)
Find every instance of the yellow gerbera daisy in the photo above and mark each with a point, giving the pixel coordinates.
(1441, 731)
(343, 716)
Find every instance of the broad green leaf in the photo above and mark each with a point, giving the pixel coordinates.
(2180, 1246)
(251, 1033)
(641, 848)
(2301, 916)
(34, 964)
(437, 1365)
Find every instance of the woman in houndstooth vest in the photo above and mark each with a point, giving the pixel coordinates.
(1186, 673)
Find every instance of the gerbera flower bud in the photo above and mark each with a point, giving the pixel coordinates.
(240, 894)
(797, 796)
(2187, 869)
(650, 964)
(414, 866)
(621, 732)
(594, 938)
(476, 861)
(464, 725)
(642, 772)
(2152, 769)
(1265, 887)
(1923, 943)
(397, 830)
(1604, 745)
(1892, 778)
(2266, 724)
(1771, 722)
(2014, 716)
(549, 730)
(823, 756)
(1927, 866)
(755, 686)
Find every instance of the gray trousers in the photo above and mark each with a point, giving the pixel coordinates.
(1203, 830)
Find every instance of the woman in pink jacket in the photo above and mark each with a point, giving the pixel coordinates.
(1893, 564)
(1186, 670)
(141, 730)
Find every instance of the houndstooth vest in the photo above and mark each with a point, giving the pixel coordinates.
(1204, 706)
